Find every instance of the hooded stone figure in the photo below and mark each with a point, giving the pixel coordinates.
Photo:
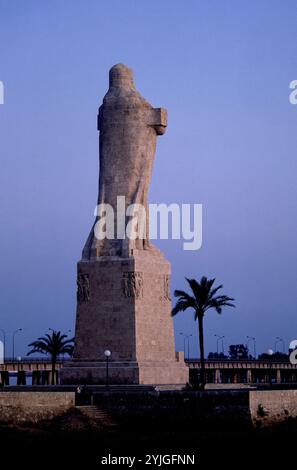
(128, 127)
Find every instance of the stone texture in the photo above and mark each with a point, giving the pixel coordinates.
(34, 406)
(123, 296)
(271, 406)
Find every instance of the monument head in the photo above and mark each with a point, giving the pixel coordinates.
(121, 76)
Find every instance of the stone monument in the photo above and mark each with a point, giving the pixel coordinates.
(123, 296)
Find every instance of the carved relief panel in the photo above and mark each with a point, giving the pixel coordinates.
(132, 284)
(165, 287)
(83, 287)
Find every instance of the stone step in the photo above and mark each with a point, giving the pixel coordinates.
(97, 414)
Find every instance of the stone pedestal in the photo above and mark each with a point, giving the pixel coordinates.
(124, 306)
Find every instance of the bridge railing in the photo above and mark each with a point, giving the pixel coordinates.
(45, 359)
(230, 360)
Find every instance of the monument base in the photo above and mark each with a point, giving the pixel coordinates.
(124, 306)
(137, 373)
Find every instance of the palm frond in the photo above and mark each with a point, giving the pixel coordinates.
(180, 293)
(204, 296)
(195, 286)
(180, 306)
(53, 345)
(215, 290)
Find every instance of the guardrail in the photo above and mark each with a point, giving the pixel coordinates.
(45, 359)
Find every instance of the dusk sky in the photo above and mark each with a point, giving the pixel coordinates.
(222, 69)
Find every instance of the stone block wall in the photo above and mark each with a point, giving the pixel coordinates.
(271, 406)
(34, 406)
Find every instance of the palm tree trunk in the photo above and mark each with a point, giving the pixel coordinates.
(53, 371)
(201, 344)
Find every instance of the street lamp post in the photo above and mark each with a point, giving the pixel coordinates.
(107, 354)
(184, 344)
(19, 374)
(13, 337)
(186, 337)
(270, 354)
(252, 338)
(223, 351)
(4, 342)
(279, 340)
(220, 338)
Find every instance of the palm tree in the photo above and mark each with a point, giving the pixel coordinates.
(202, 299)
(53, 345)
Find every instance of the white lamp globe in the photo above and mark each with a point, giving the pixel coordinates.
(270, 352)
(107, 353)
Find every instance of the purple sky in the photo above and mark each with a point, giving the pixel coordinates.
(222, 70)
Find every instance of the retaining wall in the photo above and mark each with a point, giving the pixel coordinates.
(34, 406)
